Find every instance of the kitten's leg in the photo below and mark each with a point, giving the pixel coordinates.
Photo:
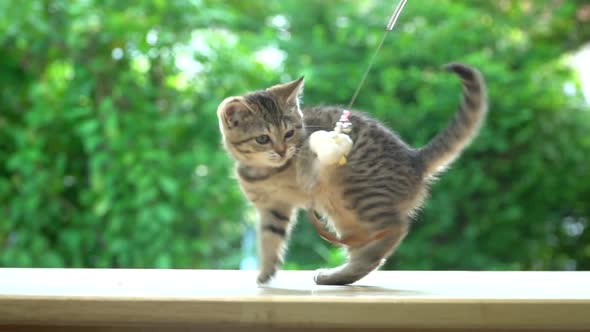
(273, 230)
(363, 260)
(308, 168)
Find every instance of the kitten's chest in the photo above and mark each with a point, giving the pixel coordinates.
(278, 188)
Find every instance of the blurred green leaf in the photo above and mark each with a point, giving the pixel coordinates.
(110, 152)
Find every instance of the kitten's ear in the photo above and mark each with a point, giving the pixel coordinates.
(232, 111)
(290, 92)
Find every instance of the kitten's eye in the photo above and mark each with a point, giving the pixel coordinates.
(290, 133)
(262, 139)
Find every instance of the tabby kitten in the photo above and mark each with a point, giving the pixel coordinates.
(380, 187)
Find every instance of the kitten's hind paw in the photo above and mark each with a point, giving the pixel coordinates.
(332, 277)
(320, 276)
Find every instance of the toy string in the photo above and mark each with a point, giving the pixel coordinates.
(396, 12)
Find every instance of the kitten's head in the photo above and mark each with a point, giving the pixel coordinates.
(263, 128)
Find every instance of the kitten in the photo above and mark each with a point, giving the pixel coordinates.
(380, 187)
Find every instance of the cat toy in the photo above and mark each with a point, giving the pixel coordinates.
(332, 147)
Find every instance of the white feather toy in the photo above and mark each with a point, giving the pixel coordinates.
(332, 147)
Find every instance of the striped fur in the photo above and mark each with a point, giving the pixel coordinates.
(381, 186)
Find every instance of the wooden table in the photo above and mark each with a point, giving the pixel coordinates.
(200, 300)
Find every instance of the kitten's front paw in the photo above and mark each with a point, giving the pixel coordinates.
(265, 276)
(321, 276)
(307, 176)
(309, 185)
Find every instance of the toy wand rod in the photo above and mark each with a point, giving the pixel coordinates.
(388, 27)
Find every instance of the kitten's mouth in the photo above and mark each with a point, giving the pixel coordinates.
(280, 162)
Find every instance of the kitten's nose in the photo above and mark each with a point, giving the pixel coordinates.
(281, 152)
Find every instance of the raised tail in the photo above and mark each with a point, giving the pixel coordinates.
(449, 143)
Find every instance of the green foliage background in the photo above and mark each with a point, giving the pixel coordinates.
(110, 154)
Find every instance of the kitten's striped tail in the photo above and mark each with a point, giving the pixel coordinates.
(448, 144)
